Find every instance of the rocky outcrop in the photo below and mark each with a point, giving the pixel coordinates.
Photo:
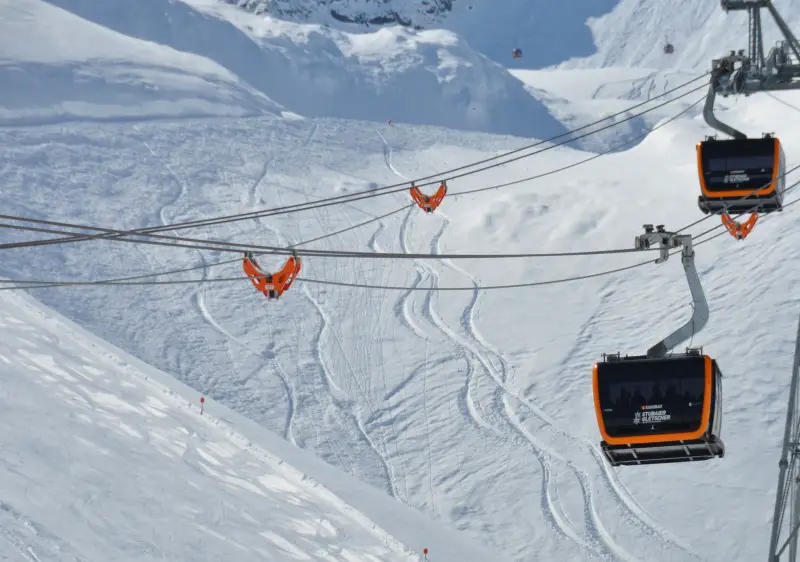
(415, 14)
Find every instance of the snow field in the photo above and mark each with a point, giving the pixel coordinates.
(104, 456)
(474, 407)
(207, 58)
(471, 406)
(52, 70)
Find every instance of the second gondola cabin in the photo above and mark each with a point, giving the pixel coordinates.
(659, 410)
(732, 169)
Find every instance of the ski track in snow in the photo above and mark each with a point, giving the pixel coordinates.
(21, 533)
(198, 295)
(552, 511)
(472, 406)
(427, 311)
(180, 184)
(253, 191)
(198, 298)
(375, 247)
(336, 395)
(405, 301)
(596, 539)
(384, 456)
(431, 314)
(387, 155)
(343, 403)
(181, 187)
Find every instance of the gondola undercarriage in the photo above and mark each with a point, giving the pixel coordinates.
(702, 449)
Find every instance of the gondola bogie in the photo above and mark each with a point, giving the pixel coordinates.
(741, 175)
(659, 410)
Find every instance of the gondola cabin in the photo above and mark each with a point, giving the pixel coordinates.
(659, 410)
(669, 48)
(517, 53)
(732, 169)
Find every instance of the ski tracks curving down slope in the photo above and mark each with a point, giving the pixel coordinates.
(513, 418)
(323, 393)
(477, 362)
(303, 392)
(197, 295)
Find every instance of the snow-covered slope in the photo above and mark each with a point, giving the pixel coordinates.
(547, 32)
(634, 32)
(105, 458)
(613, 48)
(55, 65)
(575, 34)
(580, 96)
(474, 407)
(427, 77)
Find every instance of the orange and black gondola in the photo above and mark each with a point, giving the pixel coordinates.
(735, 169)
(669, 48)
(659, 410)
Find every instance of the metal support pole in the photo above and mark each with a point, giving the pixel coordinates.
(787, 33)
(708, 108)
(783, 464)
(700, 313)
(793, 518)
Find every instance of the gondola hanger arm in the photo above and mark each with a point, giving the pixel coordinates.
(667, 241)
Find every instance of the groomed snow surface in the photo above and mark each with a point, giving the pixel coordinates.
(104, 458)
(345, 422)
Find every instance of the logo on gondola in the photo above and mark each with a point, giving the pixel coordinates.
(736, 178)
(651, 414)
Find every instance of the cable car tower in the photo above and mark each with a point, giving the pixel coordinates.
(787, 496)
(734, 74)
(738, 73)
(733, 172)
